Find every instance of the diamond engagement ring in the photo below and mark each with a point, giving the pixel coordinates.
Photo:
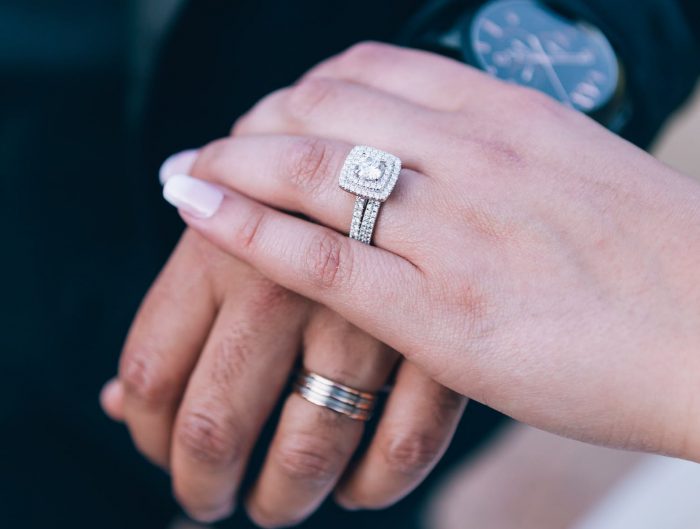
(371, 175)
(326, 393)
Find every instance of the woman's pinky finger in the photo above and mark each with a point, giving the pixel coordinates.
(416, 426)
(356, 280)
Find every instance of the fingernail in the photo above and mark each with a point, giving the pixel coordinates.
(345, 504)
(178, 163)
(214, 515)
(196, 197)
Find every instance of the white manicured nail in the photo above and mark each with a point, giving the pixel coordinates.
(179, 163)
(196, 197)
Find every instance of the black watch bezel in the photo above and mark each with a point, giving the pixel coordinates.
(441, 27)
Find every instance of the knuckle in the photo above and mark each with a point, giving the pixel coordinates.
(329, 260)
(365, 52)
(208, 437)
(309, 163)
(412, 454)
(308, 95)
(270, 297)
(239, 126)
(248, 235)
(246, 124)
(534, 103)
(141, 371)
(232, 356)
(306, 458)
(212, 158)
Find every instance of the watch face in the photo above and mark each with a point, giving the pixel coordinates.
(526, 43)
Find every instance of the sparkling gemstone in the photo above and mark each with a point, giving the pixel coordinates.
(370, 169)
(369, 173)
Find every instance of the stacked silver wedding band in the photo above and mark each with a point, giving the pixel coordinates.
(337, 397)
(371, 175)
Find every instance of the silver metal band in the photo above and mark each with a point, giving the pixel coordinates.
(364, 217)
(324, 392)
(357, 214)
(369, 174)
(369, 219)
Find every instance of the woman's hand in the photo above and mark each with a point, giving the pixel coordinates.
(528, 258)
(210, 354)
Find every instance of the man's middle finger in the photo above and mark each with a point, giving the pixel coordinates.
(242, 369)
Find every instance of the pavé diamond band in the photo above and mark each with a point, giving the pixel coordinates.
(371, 175)
(326, 393)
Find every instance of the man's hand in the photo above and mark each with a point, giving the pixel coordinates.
(209, 355)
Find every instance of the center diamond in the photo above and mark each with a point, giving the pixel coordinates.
(369, 173)
(370, 169)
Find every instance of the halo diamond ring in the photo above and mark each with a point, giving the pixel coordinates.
(371, 175)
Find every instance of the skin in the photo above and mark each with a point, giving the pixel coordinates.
(209, 355)
(528, 258)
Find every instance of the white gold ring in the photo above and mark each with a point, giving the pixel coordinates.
(370, 175)
(327, 393)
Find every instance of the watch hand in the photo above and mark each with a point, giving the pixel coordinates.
(549, 68)
(579, 59)
(528, 72)
(582, 58)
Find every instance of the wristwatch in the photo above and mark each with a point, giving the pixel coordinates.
(531, 43)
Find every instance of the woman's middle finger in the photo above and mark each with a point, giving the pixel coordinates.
(350, 112)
